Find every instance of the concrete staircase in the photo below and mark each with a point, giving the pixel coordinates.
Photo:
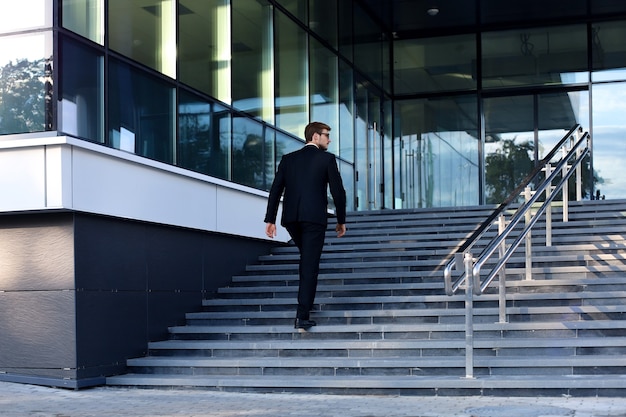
(385, 325)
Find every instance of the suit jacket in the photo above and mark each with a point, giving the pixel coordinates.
(304, 176)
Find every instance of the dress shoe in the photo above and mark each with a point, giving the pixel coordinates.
(304, 324)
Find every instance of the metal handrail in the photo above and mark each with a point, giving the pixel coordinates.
(572, 159)
(482, 228)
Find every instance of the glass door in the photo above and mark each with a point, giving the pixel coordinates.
(369, 150)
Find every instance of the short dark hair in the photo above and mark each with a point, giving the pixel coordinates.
(313, 128)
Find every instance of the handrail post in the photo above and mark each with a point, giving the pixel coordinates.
(549, 208)
(565, 189)
(469, 316)
(502, 274)
(579, 176)
(528, 249)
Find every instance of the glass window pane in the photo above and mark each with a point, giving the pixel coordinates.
(145, 32)
(434, 64)
(323, 19)
(201, 145)
(25, 14)
(286, 144)
(538, 56)
(509, 145)
(324, 90)
(270, 157)
(368, 50)
(141, 113)
(253, 64)
(345, 32)
(347, 176)
(439, 163)
(292, 110)
(558, 113)
(345, 135)
(81, 92)
(608, 51)
(26, 83)
(249, 164)
(498, 11)
(609, 131)
(204, 46)
(85, 17)
(298, 8)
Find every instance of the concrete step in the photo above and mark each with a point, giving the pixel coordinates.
(562, 347)
(614, 328)
(385, 325)
(410, 316)
(529, 385)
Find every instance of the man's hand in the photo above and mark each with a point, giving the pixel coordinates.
(340, 229)
(270, 230)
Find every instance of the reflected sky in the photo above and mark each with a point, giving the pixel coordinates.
(609, 137)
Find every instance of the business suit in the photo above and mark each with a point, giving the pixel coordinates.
(303, 177)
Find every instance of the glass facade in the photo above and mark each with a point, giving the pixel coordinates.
(445, 115)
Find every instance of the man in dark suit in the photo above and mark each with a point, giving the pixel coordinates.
(304, 176)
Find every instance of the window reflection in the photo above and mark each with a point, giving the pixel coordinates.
(141, 113)
(145, 33)
(253, 64)
(435, 64)
(608, 51)
(537, 56)
(324, 89)
(292, 110)
(250, 165)
(25, 14)
(439, 163)
(26, 83)
(609, 131)
(202, 146)
(509, 145)
(81, 102)
(85, 17)
(205, 47)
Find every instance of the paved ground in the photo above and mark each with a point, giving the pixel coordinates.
(29, 400)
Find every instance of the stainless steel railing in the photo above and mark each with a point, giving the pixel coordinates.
(573, 147)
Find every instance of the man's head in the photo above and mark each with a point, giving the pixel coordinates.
(318, 133)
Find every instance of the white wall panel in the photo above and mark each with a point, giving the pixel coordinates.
(244, 216)
(38, 173)
(58, 176)
(22, 179)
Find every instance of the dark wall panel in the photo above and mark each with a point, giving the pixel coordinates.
(36, 252)
(37, 331)
(119, 284)
(111, 326)
(174, 259)
(110, 254)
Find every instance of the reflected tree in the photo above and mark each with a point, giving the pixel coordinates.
(507, 168)
(25, 96)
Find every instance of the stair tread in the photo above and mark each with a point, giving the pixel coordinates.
(387, 344)
(389, 328)
(377, 381)
(369, 362)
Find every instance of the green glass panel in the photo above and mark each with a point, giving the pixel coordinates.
(204, 46)
(145, 32)
(85, 17)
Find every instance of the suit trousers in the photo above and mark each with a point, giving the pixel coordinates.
(309, 238)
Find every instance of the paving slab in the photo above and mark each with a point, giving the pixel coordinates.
(17, 400)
